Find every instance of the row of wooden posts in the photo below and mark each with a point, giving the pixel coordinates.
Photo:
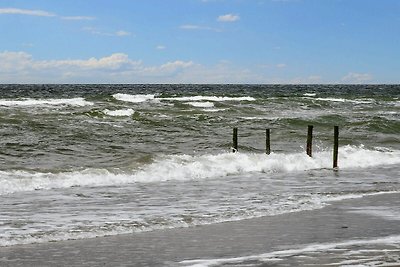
(309, 142)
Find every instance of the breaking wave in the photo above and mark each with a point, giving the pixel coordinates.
(186, 167)
(134, 98)
(120, 112)
(80, 102)
(151, 97)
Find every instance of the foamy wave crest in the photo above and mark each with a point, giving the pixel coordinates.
(134, 98)
(45, 102)
(190, 99)
(309, 94)
(343, 100)
(201, 104)
(119, 113)
(210, 98)
(186, 167)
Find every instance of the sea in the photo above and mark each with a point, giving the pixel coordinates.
(86, 161)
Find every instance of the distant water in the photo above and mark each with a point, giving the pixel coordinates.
(80, 161)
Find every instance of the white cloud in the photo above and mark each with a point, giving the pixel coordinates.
(29, 12)
(120, 33)
(14, 61)
(166, 69)
(41, 13)
(78, 18)
(198, 27)
(21, 67)
(172, 66)
(281, 65)
(161, 47)
(112, 62)
(353, 77)
(228, 18)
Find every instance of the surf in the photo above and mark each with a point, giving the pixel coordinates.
(197, 167)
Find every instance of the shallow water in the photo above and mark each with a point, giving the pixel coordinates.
(80, 161)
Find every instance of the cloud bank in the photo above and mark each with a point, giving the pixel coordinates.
(21, 67)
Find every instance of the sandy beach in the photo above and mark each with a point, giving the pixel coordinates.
(342, 223)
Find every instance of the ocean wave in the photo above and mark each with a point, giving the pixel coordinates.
(309, 94)
(209, 98)
(118, 227)
(187, 167)
(151, 97)
(27, 102)
(119, 113)
(344, 100)
(201, 104)
(134, 98)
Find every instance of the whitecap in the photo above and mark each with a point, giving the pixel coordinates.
(134, 98)
(120, 112)
(201, 104)
(209, 98)
(343, 100)
(45, 102)
(188, 167)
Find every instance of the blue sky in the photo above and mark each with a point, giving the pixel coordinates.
(200, 41)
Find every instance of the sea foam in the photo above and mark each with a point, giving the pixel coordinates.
(119, 113)
(210, 98)
(310, 250)
(149, 97)
(343, 100)
(46, 102)
(134, 98)
(201, 104)
(187, 167)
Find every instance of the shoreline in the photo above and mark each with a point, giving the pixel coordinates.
(340, 221)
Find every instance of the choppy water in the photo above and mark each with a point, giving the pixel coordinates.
(80, 161)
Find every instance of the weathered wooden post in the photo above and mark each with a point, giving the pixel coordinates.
(335, 147)
(235, 140)
(267, 142)
(309, 140)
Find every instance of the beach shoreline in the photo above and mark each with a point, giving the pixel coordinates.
(341, 221)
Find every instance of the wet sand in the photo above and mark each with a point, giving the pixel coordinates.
(335, 223)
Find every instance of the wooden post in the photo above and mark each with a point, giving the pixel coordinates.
(309, 140)
(235, 140)
(335, 147)
(267, 142)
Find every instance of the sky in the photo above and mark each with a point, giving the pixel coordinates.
(200, 41)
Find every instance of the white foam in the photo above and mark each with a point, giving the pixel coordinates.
(343, 100)
(280, 254)
(214, 109)
(186, 167)
(119, 113)
(201, 104)
(45, 102)
(139, 98)
(309, 94)
(134, 98)
(210, 98)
